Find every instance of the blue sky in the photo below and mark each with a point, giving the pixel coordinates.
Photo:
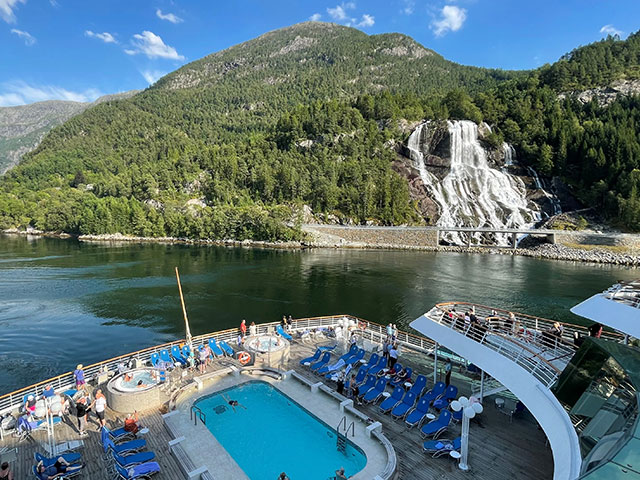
(80, 49)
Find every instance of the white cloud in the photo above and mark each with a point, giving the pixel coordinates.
(151, 45)
(20, 93)
(611, 30)
(451, 19)
(106, 37)
(152, 76)
(170, 17)
(409, 7)
(26, 36)
(339, 12)
(6, 9)
(315, 17)
(367, 21)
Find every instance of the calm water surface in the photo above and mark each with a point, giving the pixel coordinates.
(65, 302)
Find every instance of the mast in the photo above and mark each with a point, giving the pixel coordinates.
(184, 312)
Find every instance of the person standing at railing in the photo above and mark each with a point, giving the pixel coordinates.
(253, 329)
(243, 328)
(393, 355)
(78, 374)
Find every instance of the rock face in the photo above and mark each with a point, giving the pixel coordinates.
(23, 127)
(605, 95)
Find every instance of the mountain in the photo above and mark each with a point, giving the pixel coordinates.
(235, 144)
(23, 127)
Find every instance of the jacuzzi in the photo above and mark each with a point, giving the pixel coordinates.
(126, 396)
(271, 350)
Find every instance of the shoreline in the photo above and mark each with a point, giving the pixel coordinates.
(594, 254)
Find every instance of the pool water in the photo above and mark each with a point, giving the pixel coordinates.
(273, 434)
(132, 385)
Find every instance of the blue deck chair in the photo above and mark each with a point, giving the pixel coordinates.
(382, 363)
(118, 435)
(186, 352)
(326, 356)
(355, 357)
(360, 376)
(327, 348)
(62, 476)
(407, 378)
(435, 427)
(312, 359)
(282, 333)
(227, 348)
(418, 414)
(177, 355)
(448, 395)
(389, 403)
(368, 385)
(436, 448)
(127, 448)
(164, 356)
(155, 358)
(352, 351)
(135, 459)
(456, 416)
(408, 402)
(215, 349)
(419, 385)
(373, 359)
(435, 392)
(375, 393)
(144, 470)
(48, 461)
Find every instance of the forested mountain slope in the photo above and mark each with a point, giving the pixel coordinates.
(232, 145)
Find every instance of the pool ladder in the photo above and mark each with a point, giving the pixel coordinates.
(342, 437)
(196, 413)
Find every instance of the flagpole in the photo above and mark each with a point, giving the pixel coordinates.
(184, 312)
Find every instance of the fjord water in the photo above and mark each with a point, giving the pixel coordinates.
(66, 302)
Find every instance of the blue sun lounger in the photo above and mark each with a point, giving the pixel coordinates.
(443, 400)
(48, 461)
(327, 348)
(359, 355)
(177, 355)
(326, 356)
(419, 385)
(375, 393)
(127, 448)
(118, 435)
(408, 402)
(312, 359)
(435, 392)
(389, 403)
(144, 470)
(360, 376)
(131, 460)
(61, 476)
(155, 358)
(382, 363)
(164, 356)
(418, 414)
(403, 380)
(186, 352)
(368, 385)
(435, 427)
(373, 359)
(227, 349)
(352, 351)
(215, 349)
(441, 447)
(282, 333)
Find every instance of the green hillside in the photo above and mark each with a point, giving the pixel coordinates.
(232, 145)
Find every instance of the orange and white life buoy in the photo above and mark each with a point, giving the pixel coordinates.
(362, 325)
(244, 358)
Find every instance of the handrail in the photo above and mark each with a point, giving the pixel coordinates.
(195, 412)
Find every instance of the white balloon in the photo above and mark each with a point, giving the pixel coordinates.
(469, 412)
(464, 401)
(477, 407)
(473, 399)
(455, 406)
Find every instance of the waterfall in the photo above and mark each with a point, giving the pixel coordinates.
(509, 153)
(555, 203)
(473, 194)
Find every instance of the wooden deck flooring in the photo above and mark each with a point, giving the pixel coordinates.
(499, 449)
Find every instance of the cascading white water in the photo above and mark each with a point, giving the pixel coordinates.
(555, 203)
(472, 194)
(509, 153)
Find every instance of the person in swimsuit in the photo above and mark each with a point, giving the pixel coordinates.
(5, 471)
(54, 471)
(233, 403)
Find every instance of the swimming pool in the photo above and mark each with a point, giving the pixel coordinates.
(273, 434)
(128, 382)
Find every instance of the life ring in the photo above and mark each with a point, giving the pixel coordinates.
(362, 325)
(244, 358)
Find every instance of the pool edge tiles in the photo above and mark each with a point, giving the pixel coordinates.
(320, 406)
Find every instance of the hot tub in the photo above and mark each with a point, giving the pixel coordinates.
(271, 350)
(126, 394)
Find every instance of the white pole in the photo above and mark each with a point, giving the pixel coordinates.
(481, 386)
(464, 447)
(184, 312)
(435, 365)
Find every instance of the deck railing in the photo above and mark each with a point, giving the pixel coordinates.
(538, 358)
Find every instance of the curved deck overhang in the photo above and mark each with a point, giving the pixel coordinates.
(607, 311)
(539, 400)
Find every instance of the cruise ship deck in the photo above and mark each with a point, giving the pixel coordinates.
(500, 447)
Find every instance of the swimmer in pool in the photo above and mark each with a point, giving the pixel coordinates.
(233, 403)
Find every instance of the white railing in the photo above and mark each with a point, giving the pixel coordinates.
(509, 346)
